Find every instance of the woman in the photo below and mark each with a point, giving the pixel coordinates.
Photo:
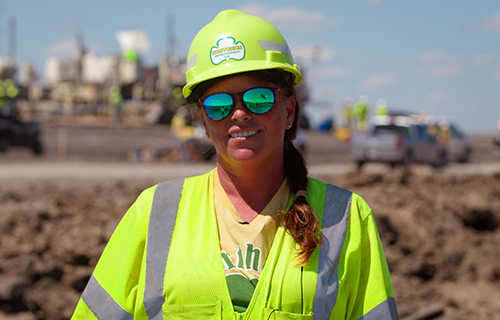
(255, 238)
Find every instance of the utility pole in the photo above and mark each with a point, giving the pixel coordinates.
(12, 38)
(171, 49)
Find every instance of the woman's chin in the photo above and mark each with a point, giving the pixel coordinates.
(240, 155)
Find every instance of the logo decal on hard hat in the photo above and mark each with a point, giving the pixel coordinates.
(227, 49)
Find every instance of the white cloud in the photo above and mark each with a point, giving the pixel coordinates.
(292, 18)
(439, 64)
(334, 71)
(436, 100)
(313, 53)
(375, 2)
(481, 60)
(496, 75)
(377, 81)
(432, 56)
(489, 24)
(437, 97)
(65, 24)
(62, 48)
(326, 91)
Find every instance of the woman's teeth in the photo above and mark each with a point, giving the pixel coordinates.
(243, 134)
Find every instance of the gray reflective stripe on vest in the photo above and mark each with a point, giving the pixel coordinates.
(385, 310)
(275, 46)
(334, 228)
(101, 303)
(161, 227)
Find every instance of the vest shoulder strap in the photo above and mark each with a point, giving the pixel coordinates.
(334, 227)
(160, 230)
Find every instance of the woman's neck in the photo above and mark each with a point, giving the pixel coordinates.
(250, 190)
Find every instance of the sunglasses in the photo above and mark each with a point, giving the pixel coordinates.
(217, 106)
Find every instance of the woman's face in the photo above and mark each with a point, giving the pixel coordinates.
(244, 136)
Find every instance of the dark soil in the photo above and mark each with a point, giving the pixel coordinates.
(441, 235)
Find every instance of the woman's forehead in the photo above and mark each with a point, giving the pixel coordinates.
(238, 83)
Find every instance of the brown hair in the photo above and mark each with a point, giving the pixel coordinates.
(299, 221)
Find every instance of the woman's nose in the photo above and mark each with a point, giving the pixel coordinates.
(240, 113)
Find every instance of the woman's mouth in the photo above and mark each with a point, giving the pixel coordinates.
(243, 134)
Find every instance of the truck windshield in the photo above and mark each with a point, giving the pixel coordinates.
(391, 128)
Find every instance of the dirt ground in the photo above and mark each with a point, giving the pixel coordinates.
(441, 232)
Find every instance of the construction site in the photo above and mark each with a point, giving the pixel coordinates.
(98, 117)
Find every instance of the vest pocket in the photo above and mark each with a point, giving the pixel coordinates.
(200, 311)
(269, 314)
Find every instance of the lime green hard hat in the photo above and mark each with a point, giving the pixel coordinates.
(236, 42)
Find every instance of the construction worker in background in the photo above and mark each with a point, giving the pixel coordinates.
(444, 134)
(255, 237)
(347, 112)
(184, 136)
(8, 95)
(130, 55)
(116, 101)
(381, 108)
(432, 127)
(344, 131)
(360, 113)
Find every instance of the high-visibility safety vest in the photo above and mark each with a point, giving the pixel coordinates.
(164, 262)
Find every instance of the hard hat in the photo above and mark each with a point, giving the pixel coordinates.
(363, 99)
(347, 102)
(236, 42)
(444, 124)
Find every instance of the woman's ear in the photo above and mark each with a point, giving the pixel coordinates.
(291, 105)
(204, 125)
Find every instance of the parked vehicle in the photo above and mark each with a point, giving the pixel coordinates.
(460, 145)
(16, 133)
(396, 140)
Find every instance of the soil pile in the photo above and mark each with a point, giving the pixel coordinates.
(440, 233)
(441, 238)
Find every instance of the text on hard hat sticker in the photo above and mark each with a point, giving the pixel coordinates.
(227, 49)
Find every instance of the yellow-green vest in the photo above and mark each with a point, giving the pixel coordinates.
(164, 262)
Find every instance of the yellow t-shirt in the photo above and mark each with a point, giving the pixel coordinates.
(245, 246)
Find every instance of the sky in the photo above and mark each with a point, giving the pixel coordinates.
(437, 56)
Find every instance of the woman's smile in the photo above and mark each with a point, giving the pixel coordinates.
(243, 134)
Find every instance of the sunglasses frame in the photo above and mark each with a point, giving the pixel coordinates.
(233, 95)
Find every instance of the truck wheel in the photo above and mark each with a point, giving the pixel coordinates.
(440, 160)
(359, 164)
(465, 157)
(408, 159)
(37, 148)
(4, 144)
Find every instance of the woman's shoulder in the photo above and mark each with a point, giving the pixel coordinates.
(357, 203)
(174, 186)
(317, 184)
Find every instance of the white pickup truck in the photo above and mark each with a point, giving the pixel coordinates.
(396, 140)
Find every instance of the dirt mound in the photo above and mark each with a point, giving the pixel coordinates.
(441, 235)
(442, 240)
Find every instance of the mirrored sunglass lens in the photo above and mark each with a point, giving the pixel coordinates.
(259, 100)
(218, 106)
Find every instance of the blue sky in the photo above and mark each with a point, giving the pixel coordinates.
(438, 56)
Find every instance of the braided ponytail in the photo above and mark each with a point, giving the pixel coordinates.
(300, 221)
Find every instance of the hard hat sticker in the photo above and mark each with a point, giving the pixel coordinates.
(227, 49)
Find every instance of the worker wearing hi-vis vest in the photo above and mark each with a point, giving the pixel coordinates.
(254, 238)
